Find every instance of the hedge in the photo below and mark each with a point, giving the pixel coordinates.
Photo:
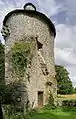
(69, 103)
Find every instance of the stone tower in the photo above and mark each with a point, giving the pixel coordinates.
(31, 28)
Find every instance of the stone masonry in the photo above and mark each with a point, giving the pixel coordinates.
(28, 24)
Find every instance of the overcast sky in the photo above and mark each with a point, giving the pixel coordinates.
(63, 14)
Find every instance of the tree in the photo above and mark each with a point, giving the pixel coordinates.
(74, 90)
(11, 93)
(2, 64)
(2, 76)
(5, 91)
(64, 83)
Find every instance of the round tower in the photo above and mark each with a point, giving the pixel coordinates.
(32, 33)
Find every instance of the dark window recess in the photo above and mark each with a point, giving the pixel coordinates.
(39, 45)
(6, 77)
(44, 69)
(49, 83)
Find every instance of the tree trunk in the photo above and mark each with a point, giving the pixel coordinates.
(1, 113)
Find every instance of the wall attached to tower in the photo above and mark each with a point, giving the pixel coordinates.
(31, 33)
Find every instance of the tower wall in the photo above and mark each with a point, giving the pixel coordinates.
(42, 72)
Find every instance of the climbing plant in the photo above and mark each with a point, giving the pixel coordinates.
(22, 54)
(51, 99)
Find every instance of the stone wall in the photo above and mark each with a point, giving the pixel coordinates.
(22, 26)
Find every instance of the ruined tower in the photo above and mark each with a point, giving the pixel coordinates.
(33, 34)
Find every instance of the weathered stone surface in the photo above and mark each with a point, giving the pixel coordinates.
(25, 27)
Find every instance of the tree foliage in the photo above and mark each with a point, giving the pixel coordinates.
(2, 65)
(64, 83)
(74, 90)
(2, 72)
(8, 93)
(22, 54)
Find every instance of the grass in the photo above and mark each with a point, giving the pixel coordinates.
(58, 113)
(47, 113)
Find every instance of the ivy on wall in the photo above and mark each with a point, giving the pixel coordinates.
(51, 99)
(22, 54)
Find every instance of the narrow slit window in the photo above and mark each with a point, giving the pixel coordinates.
(39, 45)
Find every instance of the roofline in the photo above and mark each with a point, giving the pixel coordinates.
(32, 12)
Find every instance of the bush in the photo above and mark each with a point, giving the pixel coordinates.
(49, 107)
(12, 114)
(51, 99)
(50, 104)
(69, 103)
(31, 112)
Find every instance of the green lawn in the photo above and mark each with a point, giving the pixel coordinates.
(55, 114)
(58, 113)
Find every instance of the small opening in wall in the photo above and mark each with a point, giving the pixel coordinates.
(6, 77)
(40, 98)
(44, 69)
(39, 45)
